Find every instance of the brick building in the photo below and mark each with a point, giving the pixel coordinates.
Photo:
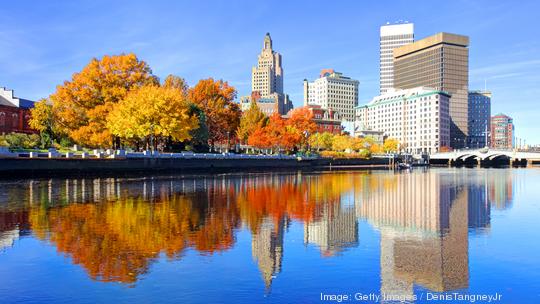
(327, 120)
(502, 132)
(14, 113)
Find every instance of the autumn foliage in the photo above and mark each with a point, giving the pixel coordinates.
(158, 111)
(215, 98)
(251, 120)
(118, 238)
(284, 133)
(83, 103)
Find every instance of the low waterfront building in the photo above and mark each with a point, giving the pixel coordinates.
(327, 120)
(418, 118)
(334, 91)
(273, 103)
(502, 132)
(362, 132)
(14, 113)
(479, 119)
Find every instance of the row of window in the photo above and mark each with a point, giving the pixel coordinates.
(14, 119)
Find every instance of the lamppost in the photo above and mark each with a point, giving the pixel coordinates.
(152, 138)
(306, 136)
(228, 140)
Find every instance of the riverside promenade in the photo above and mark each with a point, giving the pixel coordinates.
(119, 162)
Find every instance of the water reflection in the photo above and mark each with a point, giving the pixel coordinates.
(116, 228)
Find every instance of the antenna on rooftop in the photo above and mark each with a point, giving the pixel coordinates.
(485, 85)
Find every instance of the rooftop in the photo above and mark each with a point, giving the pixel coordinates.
(440, 38)
(395, 95)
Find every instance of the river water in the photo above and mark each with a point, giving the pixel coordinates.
(298, 237)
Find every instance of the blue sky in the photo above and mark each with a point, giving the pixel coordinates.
(43, 42)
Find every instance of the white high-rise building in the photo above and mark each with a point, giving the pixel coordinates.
(333, 91)
(392, 36)
(418, 118)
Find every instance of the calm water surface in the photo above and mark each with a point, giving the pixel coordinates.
(271, 238)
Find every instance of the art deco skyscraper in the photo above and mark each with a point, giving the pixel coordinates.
(441, 62)
(391, 37)
(267, 76)
(267, 83)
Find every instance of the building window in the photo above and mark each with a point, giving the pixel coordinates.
(15, 120)
(2, 119)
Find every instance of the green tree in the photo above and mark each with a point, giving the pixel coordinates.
(199, 136)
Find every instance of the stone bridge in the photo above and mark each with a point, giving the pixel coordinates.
(486, 157)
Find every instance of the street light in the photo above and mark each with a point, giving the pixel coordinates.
(228, 140)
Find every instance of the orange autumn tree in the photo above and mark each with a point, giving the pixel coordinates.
(259, 139)
(215, 98)
(284, 134)
(82, 104)
(276, 135)
(301, 123)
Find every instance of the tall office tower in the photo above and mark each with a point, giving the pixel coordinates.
(479, 118)
(441, 62)
(267, 83)
(502, 132)
(333, 91)
(391, 37)
(267, 76)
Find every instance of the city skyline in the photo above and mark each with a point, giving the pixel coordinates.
(40, 55)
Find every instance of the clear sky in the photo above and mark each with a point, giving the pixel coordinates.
(43, 42)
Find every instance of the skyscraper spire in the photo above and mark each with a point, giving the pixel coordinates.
(267, 42)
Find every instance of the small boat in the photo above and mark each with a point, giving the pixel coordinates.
(403, 166)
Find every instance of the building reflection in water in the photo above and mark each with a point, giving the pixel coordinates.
(423, 219)
(334, 231)
(115, 228)
(267, 249)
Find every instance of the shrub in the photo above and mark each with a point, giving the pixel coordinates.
(20, 140)
(362, 154)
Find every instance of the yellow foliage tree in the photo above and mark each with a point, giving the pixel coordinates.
(157, 111)
(42, 120)
(341, 143)
(83, 103)
(391, 145)
(321, 141)
(251, 120)
(175, 82)
(41, 116)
